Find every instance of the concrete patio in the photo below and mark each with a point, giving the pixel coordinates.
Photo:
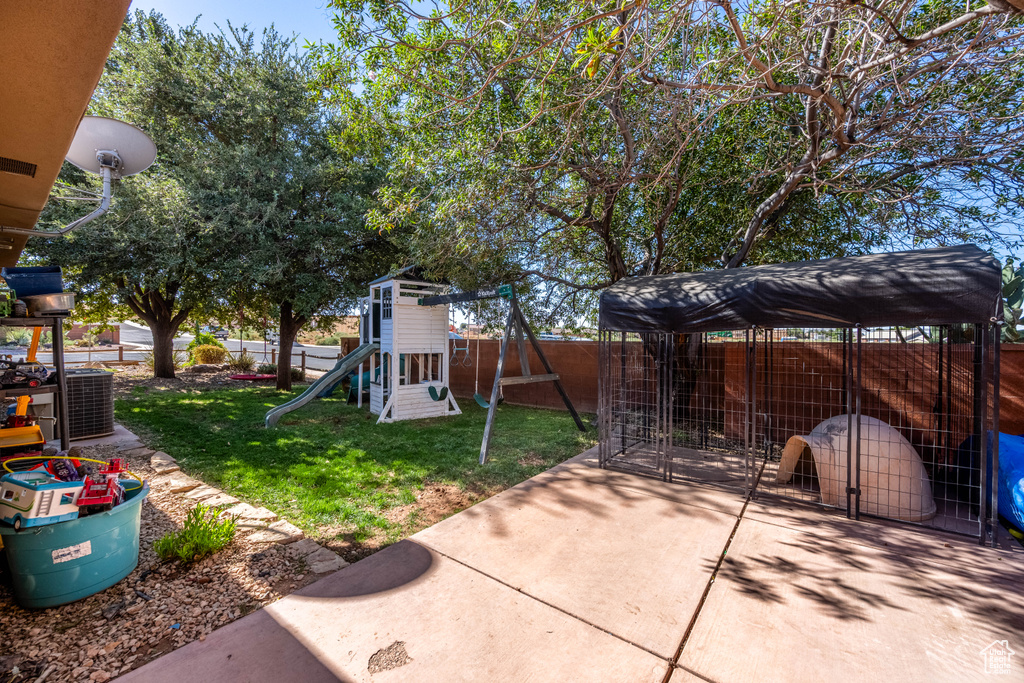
(595, 575)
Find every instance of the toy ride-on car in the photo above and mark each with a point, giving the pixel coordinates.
(20, 373)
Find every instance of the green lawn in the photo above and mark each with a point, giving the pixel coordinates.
(328, 466)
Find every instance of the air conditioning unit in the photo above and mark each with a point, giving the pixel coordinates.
(90, 403)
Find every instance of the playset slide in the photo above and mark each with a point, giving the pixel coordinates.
(344, 366)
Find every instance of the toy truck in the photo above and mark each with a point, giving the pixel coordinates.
(21, 373)
(36, 498)
(100, 495)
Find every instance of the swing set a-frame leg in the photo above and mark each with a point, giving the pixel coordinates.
(492, 409)
(550, 371)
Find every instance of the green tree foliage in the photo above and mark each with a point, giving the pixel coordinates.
(586, 142)
(249, 208)
(292, 203)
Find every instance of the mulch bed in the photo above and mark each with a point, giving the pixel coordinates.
(159, 607)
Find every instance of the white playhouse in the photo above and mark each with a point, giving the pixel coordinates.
(408, 376)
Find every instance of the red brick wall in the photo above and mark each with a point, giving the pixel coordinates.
(1011, 389)
(899, 386)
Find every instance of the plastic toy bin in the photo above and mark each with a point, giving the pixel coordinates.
(34, 280)
(59, 563)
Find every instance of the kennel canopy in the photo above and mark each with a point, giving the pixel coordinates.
(948, 285)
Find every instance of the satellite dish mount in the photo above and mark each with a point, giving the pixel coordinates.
(109, 148)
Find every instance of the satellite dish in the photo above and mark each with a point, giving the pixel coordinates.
(110, 148)
(108, 143)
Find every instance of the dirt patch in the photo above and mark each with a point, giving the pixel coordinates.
(531, 460)
(437, 501)
(433, 503)
(127, 379)
(391, 657)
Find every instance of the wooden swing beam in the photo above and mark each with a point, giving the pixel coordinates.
(515, 326)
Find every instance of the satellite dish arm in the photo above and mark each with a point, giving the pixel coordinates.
(100, 210)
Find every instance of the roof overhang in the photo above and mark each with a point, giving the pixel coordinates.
(55, 54)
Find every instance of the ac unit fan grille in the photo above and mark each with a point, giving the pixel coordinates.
(90, 405)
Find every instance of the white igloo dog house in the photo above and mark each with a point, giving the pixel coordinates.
(893, 480)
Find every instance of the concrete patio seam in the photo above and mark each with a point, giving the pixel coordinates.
(711, 580)
(693, 673)
(564, 611)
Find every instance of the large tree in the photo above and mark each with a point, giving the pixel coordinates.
(293, 203)
(249, 206)
(583, 143)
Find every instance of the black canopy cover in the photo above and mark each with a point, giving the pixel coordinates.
(942, 286)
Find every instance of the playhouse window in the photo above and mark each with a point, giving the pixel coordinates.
(67, 499)
(385, 309)
(9, 494)
(403, 368)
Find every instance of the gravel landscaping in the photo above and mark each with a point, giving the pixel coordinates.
(160, 606)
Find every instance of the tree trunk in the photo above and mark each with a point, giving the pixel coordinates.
(157, 310)
(289, 326)
(163, 347)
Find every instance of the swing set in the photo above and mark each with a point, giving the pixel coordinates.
(518, 328)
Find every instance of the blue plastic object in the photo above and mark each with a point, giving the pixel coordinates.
(60, 563)
(34, 280)
(1011, 479)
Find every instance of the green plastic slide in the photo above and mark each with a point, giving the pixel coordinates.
(333, 376)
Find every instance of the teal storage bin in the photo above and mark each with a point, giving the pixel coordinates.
(60, 563)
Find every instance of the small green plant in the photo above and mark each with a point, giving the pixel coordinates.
(331, 340)
(19, 336)
(201, 535)
(179, 357)
(208, 353)
(1013, 300)
(243, 361)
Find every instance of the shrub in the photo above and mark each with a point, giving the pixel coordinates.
(330, 340)
(201, 535)
(243, 361)
(271, 369)
(19, 336)
(208, 353)
(204, 339)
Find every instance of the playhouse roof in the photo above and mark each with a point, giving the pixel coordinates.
(408, 274)
(941, 286)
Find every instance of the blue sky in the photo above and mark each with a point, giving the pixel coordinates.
(307, 18)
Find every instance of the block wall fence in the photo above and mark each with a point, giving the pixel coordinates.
(576, 363)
